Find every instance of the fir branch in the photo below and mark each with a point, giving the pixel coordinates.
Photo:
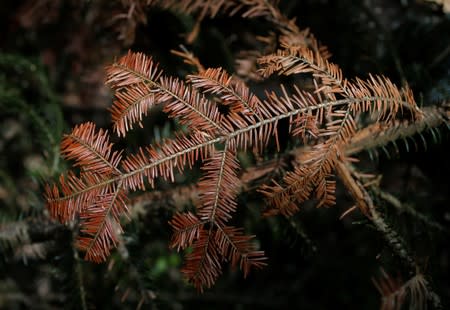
(222, 117)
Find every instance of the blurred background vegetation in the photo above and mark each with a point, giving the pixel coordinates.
(52, 59)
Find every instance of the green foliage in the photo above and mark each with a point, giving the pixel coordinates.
(30, 129)
(31, 124)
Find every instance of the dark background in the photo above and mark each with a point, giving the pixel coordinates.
(52, 60)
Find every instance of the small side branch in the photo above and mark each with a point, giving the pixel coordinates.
(389, 234)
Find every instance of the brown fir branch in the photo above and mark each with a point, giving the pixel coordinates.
(395, 293)
(140, 86)
(232, 92)
(222, 117)
(380, 134)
